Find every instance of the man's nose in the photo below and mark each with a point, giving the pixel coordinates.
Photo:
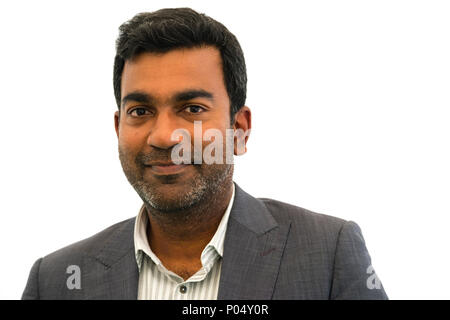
(160, 134)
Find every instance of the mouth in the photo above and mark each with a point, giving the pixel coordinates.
(167, 168)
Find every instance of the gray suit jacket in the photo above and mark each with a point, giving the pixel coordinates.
(272, 250)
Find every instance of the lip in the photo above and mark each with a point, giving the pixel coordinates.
(167, 168)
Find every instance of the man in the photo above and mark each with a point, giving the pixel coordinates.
(198, 235)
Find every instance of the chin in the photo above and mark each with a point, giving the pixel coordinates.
(171, 205)
(170, 198)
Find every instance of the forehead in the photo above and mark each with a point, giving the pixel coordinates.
(163, 74)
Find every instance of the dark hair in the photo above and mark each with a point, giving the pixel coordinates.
(168, 29)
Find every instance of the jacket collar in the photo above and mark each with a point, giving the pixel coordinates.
(253, 247)
(251, 213)
(115, 274)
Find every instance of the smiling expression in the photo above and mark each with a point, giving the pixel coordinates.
(161, 93)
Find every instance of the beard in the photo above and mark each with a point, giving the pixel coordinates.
(171, 193)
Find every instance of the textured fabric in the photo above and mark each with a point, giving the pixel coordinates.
(272, 250)
(158, 283)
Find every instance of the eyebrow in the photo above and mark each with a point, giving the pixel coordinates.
(186, 95)
(192, 94)
(137, 96)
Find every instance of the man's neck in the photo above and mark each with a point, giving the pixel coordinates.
(182, 240)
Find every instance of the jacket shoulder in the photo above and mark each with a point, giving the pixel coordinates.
(48, 275)
(303, 218)
(328, 253)
(90, 245)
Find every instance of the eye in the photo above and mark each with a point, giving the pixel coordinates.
(139, 112)
(194, 109)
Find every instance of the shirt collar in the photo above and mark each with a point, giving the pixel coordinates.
(141, 242)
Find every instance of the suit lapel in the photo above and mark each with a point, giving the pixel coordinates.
(113, 269)
(254, 244)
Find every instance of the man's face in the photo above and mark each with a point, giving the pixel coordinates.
(161, 93)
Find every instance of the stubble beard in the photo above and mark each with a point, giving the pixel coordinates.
(209, 182)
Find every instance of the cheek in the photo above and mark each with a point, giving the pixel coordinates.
(129, 153)
(131, 140)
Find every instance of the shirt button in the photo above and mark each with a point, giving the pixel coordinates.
(183, 289)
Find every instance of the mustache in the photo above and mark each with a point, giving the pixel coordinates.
(156, 155)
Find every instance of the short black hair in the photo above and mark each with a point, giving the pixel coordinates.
(175, 28)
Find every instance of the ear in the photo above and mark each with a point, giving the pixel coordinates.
(116, 122)
(243, 121)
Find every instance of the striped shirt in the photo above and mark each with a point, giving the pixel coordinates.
(158, 283)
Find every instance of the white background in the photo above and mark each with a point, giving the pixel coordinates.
(351, 111)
